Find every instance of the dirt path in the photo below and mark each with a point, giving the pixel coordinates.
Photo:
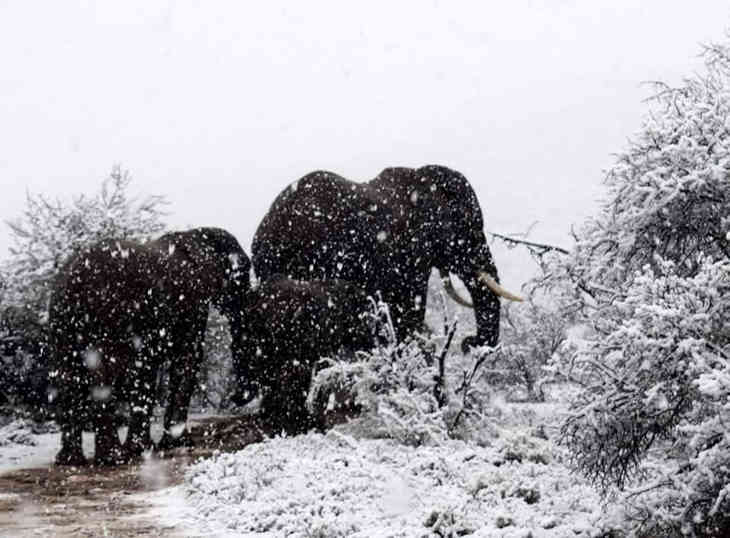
(92, 501)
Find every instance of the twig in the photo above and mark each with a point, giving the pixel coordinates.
(439, 389)
(468, 378)
(544, 248)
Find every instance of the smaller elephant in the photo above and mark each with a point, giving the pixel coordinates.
(118, 310)
(288, 326)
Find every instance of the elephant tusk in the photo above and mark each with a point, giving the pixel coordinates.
(451, 292)
(496, 288)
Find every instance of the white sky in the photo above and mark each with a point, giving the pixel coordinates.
(219, 105)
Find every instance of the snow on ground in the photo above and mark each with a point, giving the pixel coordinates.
(21, 448)
(341, 484)
(336, 485)
(25, 444)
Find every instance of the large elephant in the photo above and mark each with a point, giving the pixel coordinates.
(288, 326)
(386, 235)
(118, 310)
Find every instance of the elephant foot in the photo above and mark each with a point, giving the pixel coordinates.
(171, 442)
(71, 456)
(473, 341)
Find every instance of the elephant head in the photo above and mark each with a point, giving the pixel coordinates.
(445, 230)
(209, 264)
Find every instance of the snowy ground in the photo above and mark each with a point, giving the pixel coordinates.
(38, 498)
(21, 448)
(328, 486)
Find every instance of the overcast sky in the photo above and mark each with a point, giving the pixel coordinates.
(219, 105)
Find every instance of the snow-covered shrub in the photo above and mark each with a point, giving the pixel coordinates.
(531, 335)
(336, 485)
(650, 277)
(662, 381)
(47, 233)
(17, 432)
(414, 391)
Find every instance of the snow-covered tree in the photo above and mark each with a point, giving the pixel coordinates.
(49, 231)
(655, 416)
(649, 276)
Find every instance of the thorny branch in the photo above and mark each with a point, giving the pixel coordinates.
(439, 389)
(536, 249)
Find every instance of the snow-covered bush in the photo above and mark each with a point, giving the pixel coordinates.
(345, 483)
(662, 381)
(414, 391)
(650, 278)
(531, 334)
(336, 485)
(16, 432)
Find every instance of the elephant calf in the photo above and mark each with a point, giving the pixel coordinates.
(118, 310)
(289, 325)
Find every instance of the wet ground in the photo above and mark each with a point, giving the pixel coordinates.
(93, 501)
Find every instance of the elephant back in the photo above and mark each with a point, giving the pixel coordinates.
(111, 278)
(321, 226)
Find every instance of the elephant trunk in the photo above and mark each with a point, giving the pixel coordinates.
(486, 312)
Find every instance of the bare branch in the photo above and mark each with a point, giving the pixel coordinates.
(541, 247)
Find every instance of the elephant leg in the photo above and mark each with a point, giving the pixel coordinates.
(247, 383)
(183, 375)
(141, 405)
(71, 452)
(108, 448)
(138, 436)
(72, 413)
(284, 406)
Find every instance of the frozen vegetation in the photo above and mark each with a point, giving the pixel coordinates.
(338, 485)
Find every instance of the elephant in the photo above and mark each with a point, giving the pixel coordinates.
(288, 326)
(386, 235)
(118, 310)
